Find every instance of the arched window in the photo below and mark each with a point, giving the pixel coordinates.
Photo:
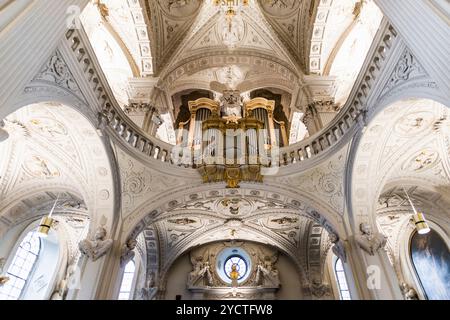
(341, 280)
(431, 260)
(127, 281)
(21, 267)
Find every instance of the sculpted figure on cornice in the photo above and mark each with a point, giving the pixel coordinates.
(369, 241)
(128, 252)
(97, 246)
(338, 247)
(320, 290)
(266, 273)
(201, 275)
(150, 289)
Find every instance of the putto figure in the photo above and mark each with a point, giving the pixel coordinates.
(98, 246)
(128, 252)
(369, 241)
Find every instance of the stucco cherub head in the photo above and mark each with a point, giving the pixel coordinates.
(333, 237)
(100, 233)
(131, 244)
(365, 228)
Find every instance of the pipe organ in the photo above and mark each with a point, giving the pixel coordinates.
(230, 140)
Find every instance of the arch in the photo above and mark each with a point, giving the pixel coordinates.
(48, 279)
(407, 269)
(153, 209)
(215, 59)
(351, 44)
(111, 52)
(366, 177)
(434, 284)
(302, 270)
(91, 175)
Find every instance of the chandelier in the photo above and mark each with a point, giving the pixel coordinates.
(231, 8)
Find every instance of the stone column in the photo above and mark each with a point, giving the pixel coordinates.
(138, 113)
(326, 110)
(318, 114)
(369, 272)
(90, 275)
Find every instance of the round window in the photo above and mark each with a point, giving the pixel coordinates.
(233, 264)
(235, 267)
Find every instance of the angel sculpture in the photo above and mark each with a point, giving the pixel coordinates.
(266, 274)
(338, 247)
(128, 252)
(98, 246)
(3, 279)
(369, 241)
(150, 289)
(202, 271)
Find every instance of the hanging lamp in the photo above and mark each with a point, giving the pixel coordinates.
(419, 218)
(46, 222)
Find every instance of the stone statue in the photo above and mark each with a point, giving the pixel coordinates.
(202, 271)
(150, 289)
(266, 274)
(234, 275)
(231, 104)
(369, 241)
(98, 246)
(338, 247)
(3, 279)
(408, 292)
(319, 289)
(127, 252)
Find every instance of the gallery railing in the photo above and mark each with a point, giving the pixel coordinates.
(345, 123)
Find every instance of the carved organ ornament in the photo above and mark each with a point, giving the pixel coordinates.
(230, 140)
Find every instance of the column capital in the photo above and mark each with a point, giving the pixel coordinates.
(138, 108)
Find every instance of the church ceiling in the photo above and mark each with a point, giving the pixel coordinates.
(292, 20)
(46, 155)
(213, 53)
(170, 21)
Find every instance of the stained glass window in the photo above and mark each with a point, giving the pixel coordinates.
(238, 264)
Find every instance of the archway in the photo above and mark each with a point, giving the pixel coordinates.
(405, 140)
(54, 154)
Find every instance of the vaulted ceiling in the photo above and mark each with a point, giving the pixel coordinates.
(292, 20)
(190, 41)
(170, 21)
